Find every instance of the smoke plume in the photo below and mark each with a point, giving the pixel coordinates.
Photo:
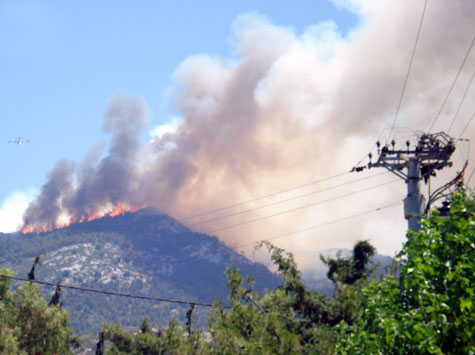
(285, 109)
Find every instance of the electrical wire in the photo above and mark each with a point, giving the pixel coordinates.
(320, 225)
(246, 222)
(300, 207)
(470, 177)
(438, 193)
(379, 139)
(287, 211)
(466, 126)
(110, 293)
(452, 86)
(166, 300)
(263, 196)
(408, 69)
(461, 102)
(464, 151)
(285, 200)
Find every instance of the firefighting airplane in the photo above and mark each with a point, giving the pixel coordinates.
(19, 141)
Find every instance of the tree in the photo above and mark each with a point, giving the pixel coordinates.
(28, 324)
(31, 274)
(172, 341)
(289, 319)
(253, 325)
(429, 309)
(348, 271)
(145, 326)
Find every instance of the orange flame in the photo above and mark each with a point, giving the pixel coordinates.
(27, 229)
(93, 217)
(119, 209)
(116, 211)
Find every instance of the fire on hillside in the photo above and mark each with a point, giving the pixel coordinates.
(118, 209)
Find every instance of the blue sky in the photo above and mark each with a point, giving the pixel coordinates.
(61, 62)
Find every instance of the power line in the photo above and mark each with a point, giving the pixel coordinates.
(110, 293)
(470, 177)
(408, 69)
(466, 126)
(282, 201)
(263, 196)
(166, 300)
(294, 209)
(320, 225)
(300, 207)
(461, 102)
(379, 138)
(227, 227)
(464, 151)
(372, 147)
(453, 84)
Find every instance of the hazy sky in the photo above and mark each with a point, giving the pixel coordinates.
(266, 95)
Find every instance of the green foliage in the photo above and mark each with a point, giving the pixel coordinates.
(145, 326)
(252, 328)
(315, 314)
(55, 300)
(348, 271)
(28, 324)
(429, 309)
(171, 341)
(288, 319)
(175, 262)
(311, 306)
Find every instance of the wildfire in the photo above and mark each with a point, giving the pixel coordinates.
(27, 229)
(118, 210)
(93, 217)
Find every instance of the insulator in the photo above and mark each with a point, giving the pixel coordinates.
(393, 142)
(378, 144)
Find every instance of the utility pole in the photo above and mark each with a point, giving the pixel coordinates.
(431, 153)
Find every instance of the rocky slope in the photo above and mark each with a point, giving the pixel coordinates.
(144, 253)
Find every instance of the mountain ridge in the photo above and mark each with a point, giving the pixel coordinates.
(145, 253)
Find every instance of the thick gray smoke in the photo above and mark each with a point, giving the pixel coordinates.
(112, 181)
(43, 213)
(286, 109)
(95, 188)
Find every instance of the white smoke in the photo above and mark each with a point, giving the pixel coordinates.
(287, 108)
(297, 106)
(12, 209)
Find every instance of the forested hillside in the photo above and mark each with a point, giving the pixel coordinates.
(141, 253)
(426, 307)
(423, 306)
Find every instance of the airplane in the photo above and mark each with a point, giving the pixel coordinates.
(19, 141)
